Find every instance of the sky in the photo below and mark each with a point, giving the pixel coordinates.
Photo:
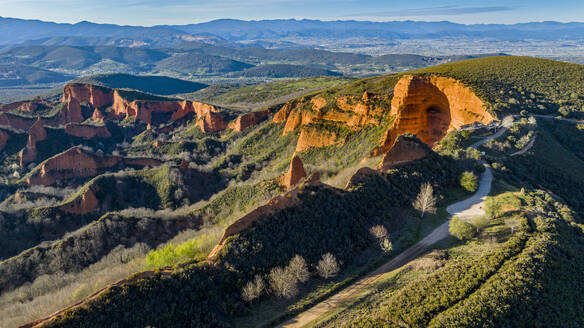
(178, 12)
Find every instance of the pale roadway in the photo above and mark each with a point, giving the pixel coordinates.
(464, 209)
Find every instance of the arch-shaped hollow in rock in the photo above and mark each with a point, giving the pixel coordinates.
(430, 107)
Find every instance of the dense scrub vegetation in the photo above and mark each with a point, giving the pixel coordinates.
(327, 219)
(284, 70)
(199, 64)
(555, 163)
(516, 281)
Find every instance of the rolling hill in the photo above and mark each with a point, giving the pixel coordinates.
(11, 75)
(283, 71)
(199, 64)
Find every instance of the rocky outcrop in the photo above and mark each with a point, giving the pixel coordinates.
(430, 107)
(405, 149)
(86, 131)
(295, 173)
(249, 119)
(16, 122)
(212, 122)
(4, 137)
(85, 203)
(26, 106)
(314, 137)
(200, 109)
(36, 133)
(97, 116)
(351, 111)
(76, 163)
(208, 117)
(97, 96)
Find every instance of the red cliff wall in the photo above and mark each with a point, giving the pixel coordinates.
(430, 106)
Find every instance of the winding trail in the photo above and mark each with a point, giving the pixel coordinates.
(465, 209)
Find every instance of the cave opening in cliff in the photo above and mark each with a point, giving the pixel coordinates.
(437, 122)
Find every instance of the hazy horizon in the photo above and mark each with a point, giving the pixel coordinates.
(181, 12)
(296, 19)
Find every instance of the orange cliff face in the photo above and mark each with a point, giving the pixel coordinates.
(430, 107)
(352, 111)
(95, 95)
(85, 203)
(209, 119)
(295, 173)
(404, 150)
(249, 119)
(36, 133)
(76, 163)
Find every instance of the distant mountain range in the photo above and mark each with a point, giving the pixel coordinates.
(34, 32)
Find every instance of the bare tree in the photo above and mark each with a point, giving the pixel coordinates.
(425, 202)
(328, 266)
(298, 268)
(253, 289)
(507, 121)
(385, 245)
(512, 223)
(378, 231)
(283, 283)
(479, 222)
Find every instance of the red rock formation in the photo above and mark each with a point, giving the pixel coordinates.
(73, 112)
(76, 163)
(4, 137)
(313, 137)
(26, 106)
(200, 109)
(430, 106)
(295, 173)
(212, 122)
(16, 122)
(404, 150)
(97, 116)
(86, 131)
(249, 119)
(354, 112)
(85, 203)
(97, 96)
(36, 133)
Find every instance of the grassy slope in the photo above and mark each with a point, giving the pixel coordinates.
(265, 94)
(516, 281)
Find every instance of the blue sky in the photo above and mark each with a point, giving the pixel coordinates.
(150, 12)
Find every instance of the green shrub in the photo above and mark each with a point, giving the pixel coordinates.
(461, 229)
(469, 181)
